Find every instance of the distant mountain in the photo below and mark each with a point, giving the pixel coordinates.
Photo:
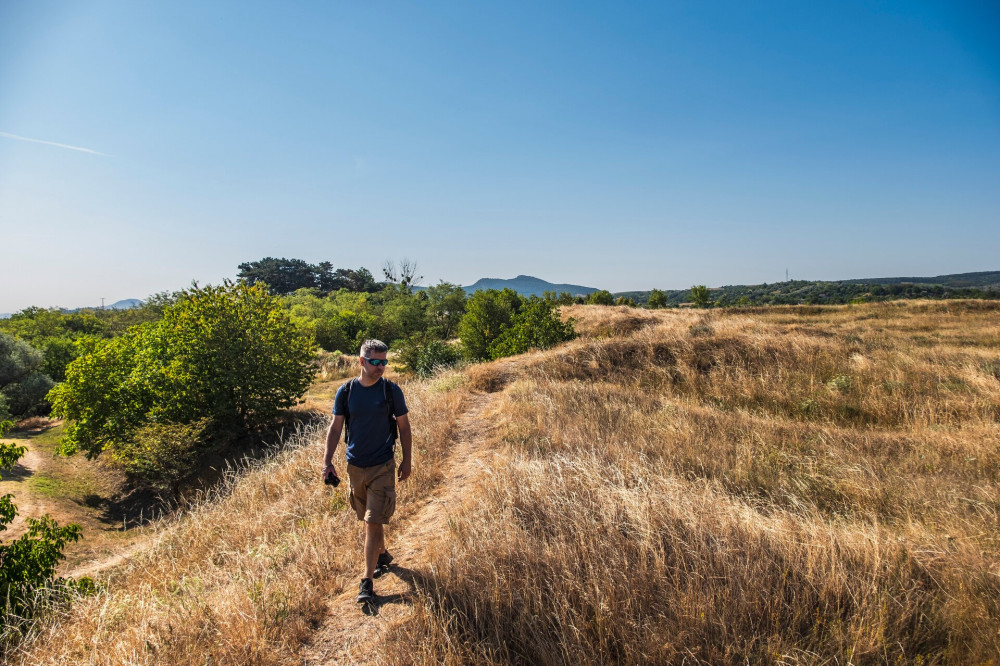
(5, 315)
(126, 304)
(525, 285)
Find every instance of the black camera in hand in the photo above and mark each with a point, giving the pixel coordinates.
(331, 479)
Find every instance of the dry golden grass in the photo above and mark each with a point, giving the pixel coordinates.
(812, 485)
(243, 577)
(789, 485)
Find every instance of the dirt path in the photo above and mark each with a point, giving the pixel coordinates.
(346, 626)
(29, 505)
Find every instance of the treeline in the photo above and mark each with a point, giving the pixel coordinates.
(285, 276)
(804, 292)
(432, 328)
(156, 389)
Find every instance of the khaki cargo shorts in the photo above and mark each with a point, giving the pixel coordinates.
(373, 491)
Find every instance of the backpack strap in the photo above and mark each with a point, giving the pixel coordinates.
(390, 405)
(347, 406)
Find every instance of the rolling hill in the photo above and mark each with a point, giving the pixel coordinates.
(526, 285)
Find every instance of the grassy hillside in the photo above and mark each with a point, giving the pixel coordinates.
(787, 485)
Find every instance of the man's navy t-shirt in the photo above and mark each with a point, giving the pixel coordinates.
(369, 435)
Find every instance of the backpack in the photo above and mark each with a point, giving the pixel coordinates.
(390, 406)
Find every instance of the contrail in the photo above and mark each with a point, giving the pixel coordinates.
(53, 143)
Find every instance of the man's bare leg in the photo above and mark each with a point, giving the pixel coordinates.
(374, 544)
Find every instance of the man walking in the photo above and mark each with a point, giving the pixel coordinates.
(373, 410)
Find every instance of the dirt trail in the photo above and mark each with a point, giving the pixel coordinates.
(346, 626)
(29, 505)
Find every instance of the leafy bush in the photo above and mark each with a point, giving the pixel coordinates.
(501, 323)
(700, 296)
(487, 313)
(162, 454)
(445, 308)
(228, 354)
(657, 299)
(600, 297)
(22, 385)
(536, 325)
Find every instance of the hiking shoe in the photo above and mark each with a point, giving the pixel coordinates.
(366, 592)
(382, 565)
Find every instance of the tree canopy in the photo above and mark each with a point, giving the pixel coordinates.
(502, 323)
(285, 276)
(227, 357)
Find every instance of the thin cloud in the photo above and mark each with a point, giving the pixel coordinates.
(53, 143)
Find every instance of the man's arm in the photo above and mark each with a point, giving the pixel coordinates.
(403, 423)
(332, 438)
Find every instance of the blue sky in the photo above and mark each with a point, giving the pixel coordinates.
(616, 145)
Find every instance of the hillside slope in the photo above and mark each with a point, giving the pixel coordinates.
(796, 484)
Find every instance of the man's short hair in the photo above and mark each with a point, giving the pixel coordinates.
(377, 346)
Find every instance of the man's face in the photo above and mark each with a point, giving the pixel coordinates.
(373, 372)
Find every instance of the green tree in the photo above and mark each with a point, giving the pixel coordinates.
(536, 325)
(228, 354)
(354, 280)
(282, 276)
(22, 384)
(487, 313)
(403, 313)
(445, 307)
(600, 297)
(657, 299)
(562, 298)
(700, 296)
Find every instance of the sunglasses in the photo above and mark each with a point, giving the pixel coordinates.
(376, 361)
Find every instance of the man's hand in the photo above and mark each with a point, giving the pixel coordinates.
(404, 470)
(328, 471)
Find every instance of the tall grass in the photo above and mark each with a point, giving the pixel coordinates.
(812, 485)
(243, 577)
(775, 486)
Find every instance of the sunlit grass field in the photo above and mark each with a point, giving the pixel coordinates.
(786, 485)
(812, 485)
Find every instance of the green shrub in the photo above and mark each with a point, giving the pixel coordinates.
(536, 325)
(22, 385)
(842, 383)
(162, 454)
(700, 296)
(228, 354)
(425, 355)
(600, 297)
(435, 355)
(445, 308)
(487, 314)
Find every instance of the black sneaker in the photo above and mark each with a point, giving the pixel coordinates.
(384, 559)
(366, 592)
